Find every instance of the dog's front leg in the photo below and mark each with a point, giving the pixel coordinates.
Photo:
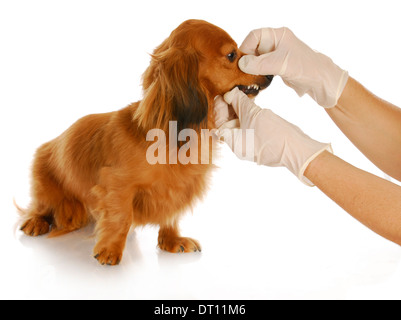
(112, 227)
(171, 241)
(114, 218)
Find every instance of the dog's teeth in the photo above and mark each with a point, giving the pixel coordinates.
(253, 87)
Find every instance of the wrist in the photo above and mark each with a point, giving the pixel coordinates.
(334, 80)
(283, 144)
(304, 175)
(313, 170)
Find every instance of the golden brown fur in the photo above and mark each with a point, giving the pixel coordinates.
(97, 169)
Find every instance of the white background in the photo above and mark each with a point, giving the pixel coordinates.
(264, 234)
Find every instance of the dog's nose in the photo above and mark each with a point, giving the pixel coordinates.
(269, 80)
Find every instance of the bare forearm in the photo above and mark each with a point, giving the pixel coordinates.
(373, 201)
(372, 124)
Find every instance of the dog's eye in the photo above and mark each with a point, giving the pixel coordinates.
(231, 56)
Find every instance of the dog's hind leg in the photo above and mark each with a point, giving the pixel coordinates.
(37, 220)
(67, 216)
(46, 195)
(50, 208)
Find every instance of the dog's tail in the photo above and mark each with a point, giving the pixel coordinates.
(21, 213)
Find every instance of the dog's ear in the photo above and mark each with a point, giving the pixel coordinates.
(172, 91)
(180, 69)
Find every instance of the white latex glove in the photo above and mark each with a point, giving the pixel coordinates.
(277, 143)
(280, 52)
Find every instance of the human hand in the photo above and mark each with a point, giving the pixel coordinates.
(279, 52)
(269, 140)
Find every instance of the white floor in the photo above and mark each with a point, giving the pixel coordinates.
(264, 241)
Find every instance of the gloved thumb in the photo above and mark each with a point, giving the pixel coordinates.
(265, 64)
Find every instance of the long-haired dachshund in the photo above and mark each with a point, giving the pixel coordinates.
(98, 171)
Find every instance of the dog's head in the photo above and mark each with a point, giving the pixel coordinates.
(188, 70)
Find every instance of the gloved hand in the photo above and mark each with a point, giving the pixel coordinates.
(276, 142)
(280, 52)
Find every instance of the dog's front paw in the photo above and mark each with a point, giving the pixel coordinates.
(179, 244)
(109, 256)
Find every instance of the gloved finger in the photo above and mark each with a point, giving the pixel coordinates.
(266, 64)
(223, 113)
(251, 43)
(262, 41)
(224, 135)
(244, 107)
(230, 136)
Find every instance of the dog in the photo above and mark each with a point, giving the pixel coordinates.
(96, 171)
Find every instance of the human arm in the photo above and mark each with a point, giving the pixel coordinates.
(372, 125)
(371, 200)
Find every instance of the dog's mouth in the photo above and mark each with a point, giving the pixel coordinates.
(254, 89)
